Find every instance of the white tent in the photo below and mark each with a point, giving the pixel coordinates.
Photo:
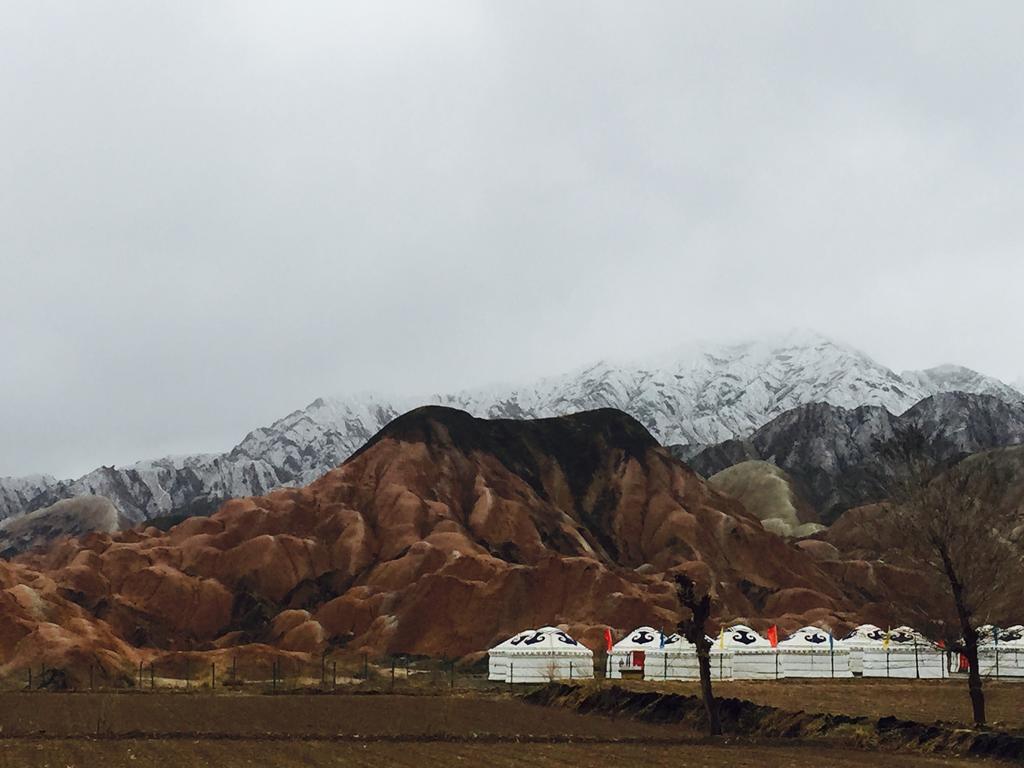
(754, 658)
(1001, 652)
(677, 660)
(864, 636)
(904, 652)
(548, 653)
(812, 652)
(630, 653)
(497, 657)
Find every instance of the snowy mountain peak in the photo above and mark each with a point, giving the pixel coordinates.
(957, 378)
(696, 395)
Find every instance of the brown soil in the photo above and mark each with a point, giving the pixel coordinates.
(285, 754)
(200, 729)
(924, 701)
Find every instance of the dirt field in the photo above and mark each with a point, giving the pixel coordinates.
(226, 730)
(922, 700)
(292, 753)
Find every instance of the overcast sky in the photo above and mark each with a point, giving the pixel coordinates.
(213, 212)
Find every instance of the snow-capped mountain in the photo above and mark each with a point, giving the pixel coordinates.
(17, 492)
(956, 378)
(699, 395)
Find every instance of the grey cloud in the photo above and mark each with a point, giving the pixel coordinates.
(212, 213)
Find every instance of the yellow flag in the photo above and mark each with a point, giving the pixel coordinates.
(885, 640)
(721, 638)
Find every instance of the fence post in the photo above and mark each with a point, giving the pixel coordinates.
(887, 662)
(273, 676)
(213, 676)
(234, 668)
(90, 677)
(152, 677)
(570, 670)
(334, 675)
(511, 667)
(30, 677)
(366, 666)
(392, 673)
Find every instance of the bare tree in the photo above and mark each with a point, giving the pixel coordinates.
(693, 629)
(947, 520)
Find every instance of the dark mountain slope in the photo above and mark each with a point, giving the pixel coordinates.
(840, 457)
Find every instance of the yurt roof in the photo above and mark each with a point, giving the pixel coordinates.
(640, 639)
(740, 636)
(548, 640)
(513, 641)
(649, 639)
(807, 638)
(677, 642)
(865, 634)
(905, 636)
(1011, 636)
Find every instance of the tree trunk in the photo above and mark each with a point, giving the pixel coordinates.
(710, 705)
(974, 676)
(970, 636)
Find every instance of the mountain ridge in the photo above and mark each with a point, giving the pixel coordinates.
(697, 395)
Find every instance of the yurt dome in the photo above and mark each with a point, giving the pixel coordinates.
(813, 652)
(990, 634)
(865, 634)
(548, 653)
(807, 638)
(1014, 634)
(640, 639)
(740, 637)
(906, 636)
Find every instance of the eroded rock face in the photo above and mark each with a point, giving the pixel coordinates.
(443, 535)
(839, 457)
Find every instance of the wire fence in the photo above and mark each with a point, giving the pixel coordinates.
(196, 674)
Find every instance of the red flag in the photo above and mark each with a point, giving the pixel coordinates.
(773, 635)
(607, 638)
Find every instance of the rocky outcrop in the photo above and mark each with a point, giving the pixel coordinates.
(442, 535)
(769, 493)
(840, 458)
(68, 517)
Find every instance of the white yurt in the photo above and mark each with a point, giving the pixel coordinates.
(753, 658)
(812, 652)
(904, 652)
(629, 655)
(497, 657)
(1001, 652)
(864, 636)
(677, 660)
(545, 654)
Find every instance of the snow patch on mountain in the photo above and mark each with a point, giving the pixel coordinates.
(956, 378)
(697, 395)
